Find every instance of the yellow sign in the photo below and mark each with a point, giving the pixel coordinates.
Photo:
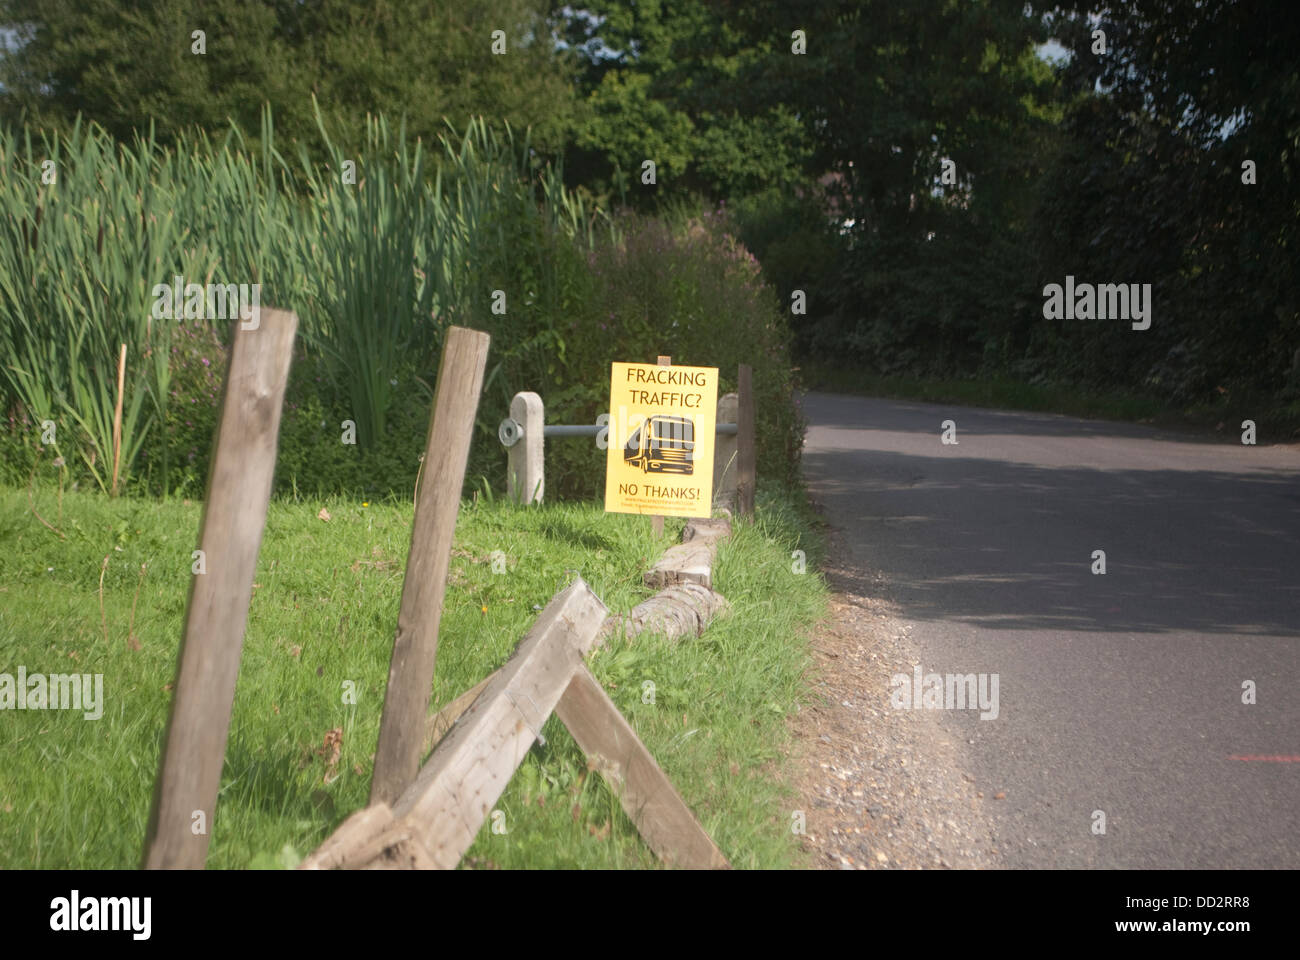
(662, 422)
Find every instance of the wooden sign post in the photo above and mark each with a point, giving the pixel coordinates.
(657, 521)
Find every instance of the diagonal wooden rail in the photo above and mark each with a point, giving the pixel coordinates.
(662, 817)
(437, 818)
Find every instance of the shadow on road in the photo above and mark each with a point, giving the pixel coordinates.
(1009, 546)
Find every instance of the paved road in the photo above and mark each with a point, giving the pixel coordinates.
(1120, 693)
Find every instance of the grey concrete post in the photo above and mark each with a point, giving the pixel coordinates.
(724, 453)
(525, 470)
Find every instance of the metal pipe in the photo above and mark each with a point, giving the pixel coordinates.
(591, 430)
(510, 432)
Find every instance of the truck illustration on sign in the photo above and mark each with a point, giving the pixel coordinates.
(662, 445)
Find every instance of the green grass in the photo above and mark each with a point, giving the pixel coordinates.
(76, 792)
(1275, 422)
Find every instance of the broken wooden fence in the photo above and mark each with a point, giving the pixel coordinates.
(481, 737)
(436, 819)
(424, 820)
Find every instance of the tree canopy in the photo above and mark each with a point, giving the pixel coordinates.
(919, 171)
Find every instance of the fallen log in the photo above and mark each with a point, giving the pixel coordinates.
(676, 612)
(705, 530)
(690, 561)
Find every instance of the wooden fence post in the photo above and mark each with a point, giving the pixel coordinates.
(415, 648)
(745, 455)
(230, 535)
(526, 460)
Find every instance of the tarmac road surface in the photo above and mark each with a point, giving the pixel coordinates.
(1120, 693)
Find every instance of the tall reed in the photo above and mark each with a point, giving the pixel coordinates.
(375, 268)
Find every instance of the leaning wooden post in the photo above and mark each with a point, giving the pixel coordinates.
(745, 455)
(526, 460)
(415, 649)
(230, 535)
(657, 521)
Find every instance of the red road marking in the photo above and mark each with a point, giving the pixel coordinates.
(1266, 758)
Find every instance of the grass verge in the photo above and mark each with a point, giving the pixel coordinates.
(76, 792)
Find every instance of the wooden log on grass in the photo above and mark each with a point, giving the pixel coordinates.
(676, 614)
(684, 610)
(230, 535)
(690, 561)
(415, 648)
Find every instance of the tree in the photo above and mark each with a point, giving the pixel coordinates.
(426, 61)
(888, 92)
(660, 80)
(1151, 180)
